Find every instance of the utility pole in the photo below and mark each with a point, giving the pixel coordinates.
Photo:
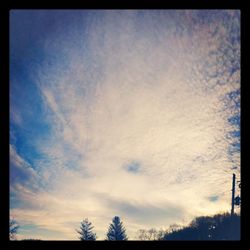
(233, 194)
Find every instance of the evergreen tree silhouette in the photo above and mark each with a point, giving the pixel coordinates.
(86, 231)
(116, 230)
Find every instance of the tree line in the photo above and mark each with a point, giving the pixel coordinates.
(218, 227)
(116, 230)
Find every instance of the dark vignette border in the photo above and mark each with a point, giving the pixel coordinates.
(108, 4)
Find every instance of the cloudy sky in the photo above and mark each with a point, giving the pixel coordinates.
(122, 112)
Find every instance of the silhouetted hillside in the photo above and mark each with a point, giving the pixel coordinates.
(217, 227)
(31, 240)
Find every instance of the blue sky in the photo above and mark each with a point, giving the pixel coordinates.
(122, 112)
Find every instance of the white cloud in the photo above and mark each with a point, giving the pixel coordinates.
(139, 97)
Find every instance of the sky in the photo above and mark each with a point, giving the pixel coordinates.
(130, 113)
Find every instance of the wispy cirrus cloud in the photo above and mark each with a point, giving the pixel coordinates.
(20, 169)
(132, 118)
